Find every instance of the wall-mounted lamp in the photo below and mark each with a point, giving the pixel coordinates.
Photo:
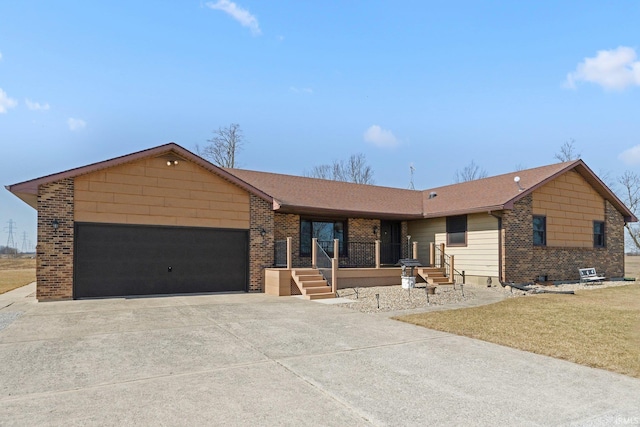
(263, 232)
(172, 162)
(375, 230)
(55, 224)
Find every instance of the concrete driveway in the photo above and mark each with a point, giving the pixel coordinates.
(251, 359)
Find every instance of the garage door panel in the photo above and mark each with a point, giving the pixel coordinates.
(116, 260)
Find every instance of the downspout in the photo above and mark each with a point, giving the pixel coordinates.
(499, 218)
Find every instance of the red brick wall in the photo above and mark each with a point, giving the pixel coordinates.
(524, 262)
(260, 247)
(54, 264)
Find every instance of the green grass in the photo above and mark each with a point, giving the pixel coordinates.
(597, 328)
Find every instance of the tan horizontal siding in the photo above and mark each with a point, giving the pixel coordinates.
(479, 257)
(149, 192)
(570, 205)
(423, 231)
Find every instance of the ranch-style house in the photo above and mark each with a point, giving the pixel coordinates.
(166, 221)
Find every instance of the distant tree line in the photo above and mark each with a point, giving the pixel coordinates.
(6, 250)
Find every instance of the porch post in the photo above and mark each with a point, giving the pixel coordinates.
(334, 275)
(451, 267)
(377, 253)
(289, 253)
(432, 254)
(314, 255)
(442, 254)
(336, 249)
(415, 250)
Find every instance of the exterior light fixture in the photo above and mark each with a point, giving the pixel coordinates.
(55, 224)
(172, 162)
(375, 230)
(263, 232)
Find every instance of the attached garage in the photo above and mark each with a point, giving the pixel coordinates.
(155, 222)
(120, 260)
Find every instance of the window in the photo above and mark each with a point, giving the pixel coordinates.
(457, 230)
(540, 231)
(325, 231)
(598, 234)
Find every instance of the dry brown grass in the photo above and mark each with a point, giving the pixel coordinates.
(16, 272)
(632, 266)
(598, 328)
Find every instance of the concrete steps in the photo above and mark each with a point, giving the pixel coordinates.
(311, 283)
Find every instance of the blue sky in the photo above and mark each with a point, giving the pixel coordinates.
(436, 84)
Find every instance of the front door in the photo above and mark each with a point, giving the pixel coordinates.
(390, 248)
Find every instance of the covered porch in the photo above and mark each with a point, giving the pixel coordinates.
(334, 265)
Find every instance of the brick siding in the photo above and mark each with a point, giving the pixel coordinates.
(524, 262)
(54, 270)
(358, 230)
(260, 247)
(361, 229)
(288, 225)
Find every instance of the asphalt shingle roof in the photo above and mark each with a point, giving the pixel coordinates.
(312, 196)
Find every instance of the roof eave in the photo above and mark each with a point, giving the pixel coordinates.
(345, 213)
(481, 209)
(27, 189)
(581, 167)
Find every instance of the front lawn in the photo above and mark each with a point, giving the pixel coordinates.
(16, 272)
(598, 328)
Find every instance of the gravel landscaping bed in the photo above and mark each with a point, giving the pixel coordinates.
(395, 298)
(392, 298)
(513, 292)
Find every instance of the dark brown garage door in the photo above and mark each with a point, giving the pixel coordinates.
(119, 260)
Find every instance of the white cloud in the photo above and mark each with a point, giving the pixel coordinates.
(241, 15)
(76, 124)
(631, 156)
(307, 90)
(36, 106)
(6, 102)
(614, 69)
(380, 137)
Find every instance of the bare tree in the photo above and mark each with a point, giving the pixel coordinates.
(354, 169)
(567, 151)
(358, 171)
(321, 171)
(470, 172)
(223, 147)
(630, 182)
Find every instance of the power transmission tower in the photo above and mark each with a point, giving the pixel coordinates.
(25, 246)
(11, 244)
(412, 169)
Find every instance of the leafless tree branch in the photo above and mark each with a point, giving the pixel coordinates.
(224, 146)
(354, 169)
(630, 182)
(567, 151)
(470, 172)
